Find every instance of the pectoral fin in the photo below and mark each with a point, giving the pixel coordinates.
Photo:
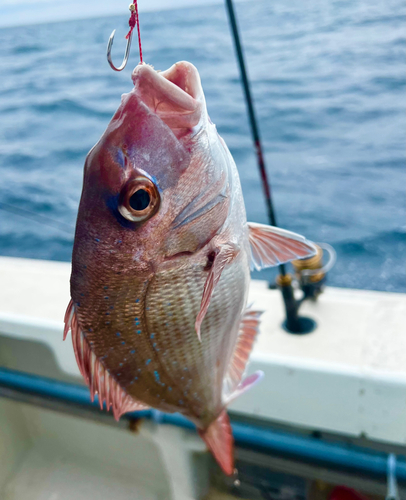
(223, 255)
(271, 246)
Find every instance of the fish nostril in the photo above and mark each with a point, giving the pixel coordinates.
(140, 200)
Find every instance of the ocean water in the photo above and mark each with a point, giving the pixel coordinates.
(328, 80)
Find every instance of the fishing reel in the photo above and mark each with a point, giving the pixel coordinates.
(310, 278)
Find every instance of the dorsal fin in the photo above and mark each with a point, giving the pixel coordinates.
(98, 379)
(271, 246)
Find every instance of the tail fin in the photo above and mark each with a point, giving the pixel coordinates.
(219, 439)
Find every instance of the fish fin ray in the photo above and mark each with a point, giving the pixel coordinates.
(224, 255)
(249, 329)
(219, 439)
(96, 376)
(272, 246)
(245, 386)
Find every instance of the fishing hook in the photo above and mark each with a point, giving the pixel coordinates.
(126, 55)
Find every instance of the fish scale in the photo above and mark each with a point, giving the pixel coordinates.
(174, 309)
(176, 329)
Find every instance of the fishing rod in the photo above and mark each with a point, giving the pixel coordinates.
(293, 323)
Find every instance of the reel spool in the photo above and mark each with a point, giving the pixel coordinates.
(311, 273)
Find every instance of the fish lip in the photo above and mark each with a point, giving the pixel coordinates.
(184, 93)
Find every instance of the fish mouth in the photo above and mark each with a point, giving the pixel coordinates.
(175, 95)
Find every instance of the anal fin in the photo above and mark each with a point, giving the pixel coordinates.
(219, 439)
(96, 376)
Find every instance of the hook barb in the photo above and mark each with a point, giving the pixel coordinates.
(126, 55)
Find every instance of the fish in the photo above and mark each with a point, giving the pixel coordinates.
(162, 258)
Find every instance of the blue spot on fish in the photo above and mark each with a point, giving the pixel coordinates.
(111, 307)
(118, 334)
(137, 300)
(123, 342)
(97, 240)
(106, 298)
(169, 388)
(106, 287)
(148, 362)
(152, 335)
(156, 374)
(132, 352)
(138, 331)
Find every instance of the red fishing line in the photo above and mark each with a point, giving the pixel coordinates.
(135, 20)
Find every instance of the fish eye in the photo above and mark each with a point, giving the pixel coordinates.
(139, 199)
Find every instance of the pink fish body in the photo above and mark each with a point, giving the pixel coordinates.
(161, 261)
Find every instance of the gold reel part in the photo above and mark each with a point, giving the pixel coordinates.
(312, 264)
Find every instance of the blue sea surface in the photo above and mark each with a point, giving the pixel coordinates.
(328, 80)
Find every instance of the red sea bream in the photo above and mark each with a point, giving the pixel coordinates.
(161, 261)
